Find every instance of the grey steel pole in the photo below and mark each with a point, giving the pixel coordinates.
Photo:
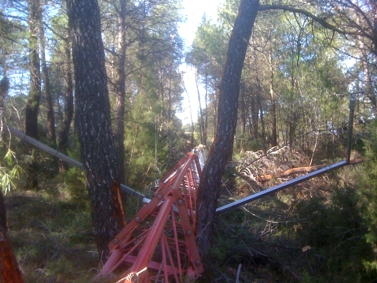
(350, 125)
(280, 187)
(25, 138)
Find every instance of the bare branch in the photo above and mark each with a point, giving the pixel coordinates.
(319, 20)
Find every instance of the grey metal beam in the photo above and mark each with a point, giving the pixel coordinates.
(280, 187)
(352, 105)
(57, 154)
(25, 138)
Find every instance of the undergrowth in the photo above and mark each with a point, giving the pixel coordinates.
(322, 230)
(313, 232)
(51, 230)
(52, 239)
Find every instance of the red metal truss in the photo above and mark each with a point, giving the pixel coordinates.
(159, 244)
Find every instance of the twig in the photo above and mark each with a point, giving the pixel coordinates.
(238, 273)
(275, 222)
(281, 246)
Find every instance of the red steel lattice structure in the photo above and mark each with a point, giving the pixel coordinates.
(158, 244)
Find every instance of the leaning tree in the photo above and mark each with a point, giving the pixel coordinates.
(222, 147)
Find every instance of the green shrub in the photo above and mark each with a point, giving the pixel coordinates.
(335, 233)
(74, 181)
(368, 198)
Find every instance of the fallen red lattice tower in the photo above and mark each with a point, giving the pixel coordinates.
(159, 244)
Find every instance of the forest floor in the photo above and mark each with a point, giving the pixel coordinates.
(308, 233)
(52, 239)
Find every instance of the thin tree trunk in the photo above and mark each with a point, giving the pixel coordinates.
(292, 112)
(33, 101)
(191, 120)
(48, 96)
(47, 90)
(169, 102)
(68, 109)
(274, 140)
(205, 123)
(221, 149)
(201, 116)
(120, 91)
(254, 116)
(260, 107)
(243, 112)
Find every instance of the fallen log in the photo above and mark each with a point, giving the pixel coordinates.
(298, 170)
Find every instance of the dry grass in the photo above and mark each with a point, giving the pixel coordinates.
(52, 239)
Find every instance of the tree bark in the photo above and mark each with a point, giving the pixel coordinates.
(274, 139)
(68, 109)
(47, 90)
(48, 96)
(221, 149)
(32, 106)
(33, 101)
(201, 116)
(120, 91)
(94, 122)
(254, 114)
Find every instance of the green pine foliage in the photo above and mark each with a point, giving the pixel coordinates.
(154, 144)
(368, 197)
(11, 172)
(73, 186)
(335, 233)
(293, 238)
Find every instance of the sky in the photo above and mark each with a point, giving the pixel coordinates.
(193, 12)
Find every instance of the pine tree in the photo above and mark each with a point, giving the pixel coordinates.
(368, 193)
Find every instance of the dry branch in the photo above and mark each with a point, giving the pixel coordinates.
(298, 170)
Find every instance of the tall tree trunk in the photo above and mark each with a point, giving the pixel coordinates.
(293, 116)
(48, 96)
(47, 89)
(68, 109)
(120, 91)
(221, 149)
(244, 114)
(33, 101)
(274, 140)
(169, 102)
(292, 113)
(373, 21)
(94, 122)
(254, 115)
(205, 122)
(4, 88)
(201, 116)
(260, 109)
